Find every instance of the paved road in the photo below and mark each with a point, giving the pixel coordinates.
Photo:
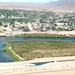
(64, 72)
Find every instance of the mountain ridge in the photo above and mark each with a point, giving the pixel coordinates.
(62, 5)
(59, 6)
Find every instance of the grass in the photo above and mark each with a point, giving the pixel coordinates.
(43, 35)
(37, 49)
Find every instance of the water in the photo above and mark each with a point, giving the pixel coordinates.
(4, 57)
(41, 63)
(4, 39)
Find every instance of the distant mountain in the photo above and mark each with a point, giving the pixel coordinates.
(17, 3)
(62, 5)
(59, 6)
(20, 5)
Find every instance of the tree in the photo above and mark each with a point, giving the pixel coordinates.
(0, 23)
(26, 29)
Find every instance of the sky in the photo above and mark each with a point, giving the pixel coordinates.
(26, 0)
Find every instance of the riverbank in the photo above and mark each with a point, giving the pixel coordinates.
(7, 48)
(52, 33)
(62, 33)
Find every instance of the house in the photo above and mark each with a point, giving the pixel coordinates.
(36, 26)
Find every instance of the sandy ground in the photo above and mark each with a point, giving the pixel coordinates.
(49, 32)
(54, 68)
(68, 33)
(62, 72)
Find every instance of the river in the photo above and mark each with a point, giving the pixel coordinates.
(4, 57)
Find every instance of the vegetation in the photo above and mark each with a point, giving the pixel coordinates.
(39, 35)
(37, 49)
(26, 20)
(8, 50)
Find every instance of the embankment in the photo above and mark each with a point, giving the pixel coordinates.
(8, 49)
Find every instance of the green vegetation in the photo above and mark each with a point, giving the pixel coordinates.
(8, 50)
(39, 35)
(37, 49)
(44, 35)
(26, 20)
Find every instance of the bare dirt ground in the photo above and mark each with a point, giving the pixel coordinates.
(63, 72)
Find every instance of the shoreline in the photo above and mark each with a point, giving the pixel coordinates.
(67, 33)
(14, 33)
(7, 48)
(16, 54)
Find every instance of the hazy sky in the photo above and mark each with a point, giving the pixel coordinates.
(26, 0)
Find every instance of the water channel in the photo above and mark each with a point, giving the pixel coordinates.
(4, 57)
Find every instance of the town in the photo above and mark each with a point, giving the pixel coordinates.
(18, 20)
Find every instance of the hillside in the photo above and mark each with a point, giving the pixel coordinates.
(62, 5)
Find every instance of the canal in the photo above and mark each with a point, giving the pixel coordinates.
(4, 57)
